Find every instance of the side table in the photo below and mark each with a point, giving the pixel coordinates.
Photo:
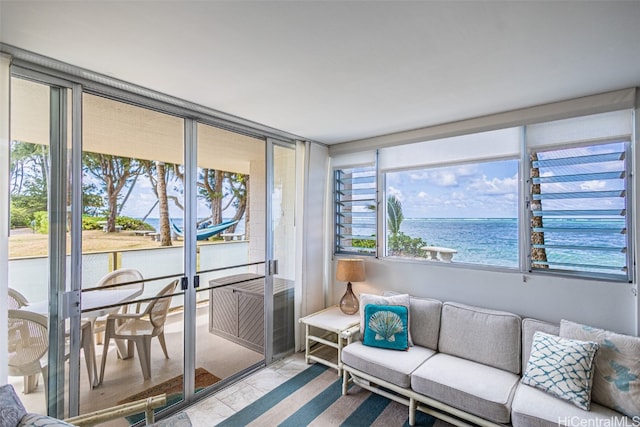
(336, 326)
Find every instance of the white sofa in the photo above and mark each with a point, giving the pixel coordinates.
(466, 365)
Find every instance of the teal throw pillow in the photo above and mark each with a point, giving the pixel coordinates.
(562, 367)
(386, 326)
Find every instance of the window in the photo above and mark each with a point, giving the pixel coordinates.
(355, 216)
(578, 210)
(548, 197)
(465, 213)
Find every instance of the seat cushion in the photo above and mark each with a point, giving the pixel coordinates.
(388, 365)
(535, 408)
(530, 327)
(425, 321)
(475, 388)
(486, 336)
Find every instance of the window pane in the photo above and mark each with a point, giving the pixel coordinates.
(464, 213)
(355, 202)
(578, 210)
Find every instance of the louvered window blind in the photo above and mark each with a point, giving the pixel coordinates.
(355, 215)
(578, 207)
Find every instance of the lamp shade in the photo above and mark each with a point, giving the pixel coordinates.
(350, 270)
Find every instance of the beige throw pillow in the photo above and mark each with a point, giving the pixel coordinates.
(616, 382)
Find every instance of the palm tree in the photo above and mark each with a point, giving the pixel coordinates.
(394, 215)
(537, 237)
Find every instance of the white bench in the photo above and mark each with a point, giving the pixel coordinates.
(232, 236)
(438, 253)
(143, 232)
(117, 227)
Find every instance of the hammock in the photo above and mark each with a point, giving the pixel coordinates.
(205, 233)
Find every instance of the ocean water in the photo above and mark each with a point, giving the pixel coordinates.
(495, 241)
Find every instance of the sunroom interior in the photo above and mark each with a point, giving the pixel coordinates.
(360, 86)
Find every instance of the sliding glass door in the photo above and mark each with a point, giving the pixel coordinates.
(158, 251)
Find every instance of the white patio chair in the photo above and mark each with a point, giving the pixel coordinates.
(139, 328)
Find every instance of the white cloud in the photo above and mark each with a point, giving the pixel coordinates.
(494, 186)
(422, 195)
(392, 191)
(445, 178)
(593, 185)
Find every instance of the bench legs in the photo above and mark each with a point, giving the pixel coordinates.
(345, 382)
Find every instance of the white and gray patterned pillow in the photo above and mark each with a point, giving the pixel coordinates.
(562, 367)
(11, 408)
(37, 420)
(616, 379)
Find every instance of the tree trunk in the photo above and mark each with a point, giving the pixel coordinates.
(163, 205)
(216, 197)
(537, 237)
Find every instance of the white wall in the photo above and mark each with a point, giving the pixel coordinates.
(601, 304)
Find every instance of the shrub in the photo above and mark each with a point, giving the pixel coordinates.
(402, 245)
(127, 223)
(41, 219)
(20, 216)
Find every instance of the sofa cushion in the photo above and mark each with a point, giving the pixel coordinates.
(391, 366)
(37, 420)
(479, 389)
(425, 321)
(562, 367)
(386, 326)
(396, 299)
(485, 336)
(11, 408)
(535, 408)
(616, 380)
(530, 327)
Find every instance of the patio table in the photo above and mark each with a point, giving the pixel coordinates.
(94, 304)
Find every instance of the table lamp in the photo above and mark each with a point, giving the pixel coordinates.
(350, 270)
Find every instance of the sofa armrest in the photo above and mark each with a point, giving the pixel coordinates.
(120, 411)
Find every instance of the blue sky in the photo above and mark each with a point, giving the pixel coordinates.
(490, 189)
(475, 190)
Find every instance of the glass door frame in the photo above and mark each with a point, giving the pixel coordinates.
(63, 304)
(66, 304)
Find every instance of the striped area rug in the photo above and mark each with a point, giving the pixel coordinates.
(314, 398)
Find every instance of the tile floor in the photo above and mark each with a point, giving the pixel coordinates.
(228, 401)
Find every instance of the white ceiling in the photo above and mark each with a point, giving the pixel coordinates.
(338, 71)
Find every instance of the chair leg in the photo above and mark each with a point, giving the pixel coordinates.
(125, 351)
(30, 382)
(143, 347)
(105, 350)
(163, 344)
(88, 346)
